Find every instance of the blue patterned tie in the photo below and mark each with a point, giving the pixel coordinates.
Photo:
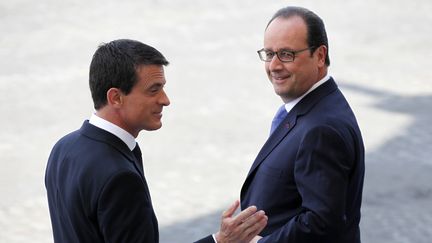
(278, 118)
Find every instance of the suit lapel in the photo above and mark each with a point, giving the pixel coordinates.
(275, 138)
(291, 120)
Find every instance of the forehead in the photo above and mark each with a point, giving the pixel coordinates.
(151, 74)
(286, 33)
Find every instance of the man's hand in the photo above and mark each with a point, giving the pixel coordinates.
(241, 228)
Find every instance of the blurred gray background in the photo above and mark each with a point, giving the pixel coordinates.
(221, 104)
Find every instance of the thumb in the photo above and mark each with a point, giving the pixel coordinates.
(230, 211)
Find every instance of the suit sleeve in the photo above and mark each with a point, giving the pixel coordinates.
(322, 169)
(125, 213)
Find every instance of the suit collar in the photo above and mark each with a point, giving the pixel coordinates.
(301, 108)
(315, 96)
(101, 135)
(106, 125)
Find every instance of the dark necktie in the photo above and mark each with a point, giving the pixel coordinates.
(278, 118)
(137, 152)
(139, 163)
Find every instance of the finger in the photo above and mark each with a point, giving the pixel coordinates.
(253, 219)
(243, 215)
(250, 233)
(244, 232)
(255, 228)
(256, 219)
(230, 211)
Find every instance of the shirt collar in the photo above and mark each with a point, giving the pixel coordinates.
(289, 105)
(119, 132)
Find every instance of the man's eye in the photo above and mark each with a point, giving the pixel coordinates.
(285, 54)
(269, 55)
(155, 88)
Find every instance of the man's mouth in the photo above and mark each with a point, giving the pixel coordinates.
(278, 79)
(159, 114)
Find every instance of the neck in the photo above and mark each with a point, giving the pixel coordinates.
(106, 114)
(322, 72)
(114, 117)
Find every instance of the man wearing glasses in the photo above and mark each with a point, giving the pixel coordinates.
(308, 176)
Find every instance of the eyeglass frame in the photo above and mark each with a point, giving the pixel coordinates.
(277, 53)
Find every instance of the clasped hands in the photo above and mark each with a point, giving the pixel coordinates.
(242, 228)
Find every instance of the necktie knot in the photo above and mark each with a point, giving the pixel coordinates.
(278, 118)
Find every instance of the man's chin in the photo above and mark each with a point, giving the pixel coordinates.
(278, 90)
(153, 127)
(157, 127)
(284, 95)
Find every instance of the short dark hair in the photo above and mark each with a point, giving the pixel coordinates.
(316, 33)
(114, 65)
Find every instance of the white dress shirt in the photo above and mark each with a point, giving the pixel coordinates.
(119, 132)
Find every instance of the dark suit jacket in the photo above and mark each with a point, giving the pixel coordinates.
(308, 177)
(97, 191)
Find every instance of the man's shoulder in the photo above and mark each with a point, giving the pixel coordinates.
(81, 137)
(66, 141)
(76, 145)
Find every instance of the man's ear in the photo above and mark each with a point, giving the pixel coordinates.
(114, 97)
(321, 54)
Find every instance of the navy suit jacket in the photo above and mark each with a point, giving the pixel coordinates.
(308, 176)
(97, 191)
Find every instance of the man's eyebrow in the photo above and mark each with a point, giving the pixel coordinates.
(282, 49)
(156, 85)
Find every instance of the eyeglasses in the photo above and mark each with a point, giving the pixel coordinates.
(283, 54)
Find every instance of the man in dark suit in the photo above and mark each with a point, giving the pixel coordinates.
(308, 176)
(97, 191)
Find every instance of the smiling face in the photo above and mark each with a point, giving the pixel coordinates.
(141, 109)
(292, 79)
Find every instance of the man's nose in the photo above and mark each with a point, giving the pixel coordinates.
(275, 63)
(164, 100)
